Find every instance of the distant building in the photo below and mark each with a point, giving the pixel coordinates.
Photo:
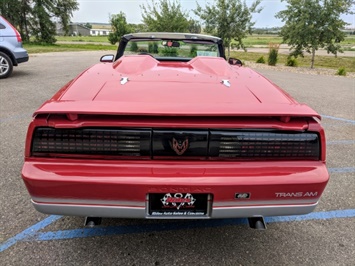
(80, 29)
(75, 29)
(100, 29)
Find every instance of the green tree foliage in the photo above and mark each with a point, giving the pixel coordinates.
(165, 16)
(36, 17)
(138, 27)
(44, 28)
(119, 27)
(194, 26)
(64, 11)
(313, 24)
(229, 20)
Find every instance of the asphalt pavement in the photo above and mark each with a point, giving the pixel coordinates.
(326, 237)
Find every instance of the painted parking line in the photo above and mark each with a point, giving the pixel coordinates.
(344, 142)
(171, 226)
(339, 119)
(341, 170)
(29, 232)
(33, 234)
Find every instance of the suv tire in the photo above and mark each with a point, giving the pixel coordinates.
(6, 65)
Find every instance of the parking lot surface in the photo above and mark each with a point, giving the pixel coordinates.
(325, 237)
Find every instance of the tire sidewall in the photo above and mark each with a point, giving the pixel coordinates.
(9, 63)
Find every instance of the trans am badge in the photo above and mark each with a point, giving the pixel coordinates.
(178, 201)
(180, 146)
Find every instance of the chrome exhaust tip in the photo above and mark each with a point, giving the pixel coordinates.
(92, 221)
(257, 223)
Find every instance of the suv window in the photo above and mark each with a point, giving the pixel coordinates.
(2, 26)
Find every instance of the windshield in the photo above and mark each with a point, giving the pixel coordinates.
(160, 49)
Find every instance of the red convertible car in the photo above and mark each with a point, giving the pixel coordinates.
(169, 129)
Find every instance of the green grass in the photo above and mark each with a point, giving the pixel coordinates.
(320, 61)
(264, 40)
(103, 39)
(37, 48)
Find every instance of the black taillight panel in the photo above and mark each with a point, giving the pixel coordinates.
(199, 144)
(92, 141)
(264, 145)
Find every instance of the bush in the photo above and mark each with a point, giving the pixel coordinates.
(153, 48)
(169, 51)
(273, 53)
(134, 47)
(193, 50)
(272, 60)
(341, 71)
(291, 61)
(261, 60)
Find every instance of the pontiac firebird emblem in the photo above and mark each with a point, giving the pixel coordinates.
(180, 146)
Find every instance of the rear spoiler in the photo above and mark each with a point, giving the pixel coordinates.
(175, 109)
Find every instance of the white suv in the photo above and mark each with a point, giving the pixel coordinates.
(11, 50)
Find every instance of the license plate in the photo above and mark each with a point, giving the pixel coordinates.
(178, 204)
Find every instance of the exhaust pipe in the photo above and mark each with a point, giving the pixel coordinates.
(92, 221)
(257, 223)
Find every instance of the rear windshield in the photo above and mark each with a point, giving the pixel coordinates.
(184, 49)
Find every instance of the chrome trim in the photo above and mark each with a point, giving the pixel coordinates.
(248, 202)
(234, 203)
(89, 201)
(140, 212)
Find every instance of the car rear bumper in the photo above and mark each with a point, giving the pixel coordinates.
(121, 188)
(22, 59)
(141, 212)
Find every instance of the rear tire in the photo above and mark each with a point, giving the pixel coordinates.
(6, 65)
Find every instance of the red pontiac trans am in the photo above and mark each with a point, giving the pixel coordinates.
(168, 129)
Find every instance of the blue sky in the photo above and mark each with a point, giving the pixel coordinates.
(99, 11)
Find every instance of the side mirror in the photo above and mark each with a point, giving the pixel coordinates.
(107, 58)
(235, 61)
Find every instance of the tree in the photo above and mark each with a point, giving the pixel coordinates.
(119, 27)
(194, 26)
(138, 27)
(64, 11)
(36, 17)
(43, 26)
(313, 24)
(165, 16)
(229, 20)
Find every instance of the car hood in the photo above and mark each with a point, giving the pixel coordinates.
(141, 85)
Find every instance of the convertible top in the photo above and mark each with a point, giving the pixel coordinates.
(171, 35)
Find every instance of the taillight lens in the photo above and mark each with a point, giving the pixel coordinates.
(264, 145)
(91, 141)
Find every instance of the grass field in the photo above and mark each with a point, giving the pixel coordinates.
(250, 41)
(320, 61)
(36, 48)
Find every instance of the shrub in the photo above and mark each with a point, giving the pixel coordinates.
(272, 60)
(261, 60)
(291, 61)
(169, 51)
(273, 53)
(153, 48)
(134, 47)
(341, 71)
(142, 50)
(193, 50)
